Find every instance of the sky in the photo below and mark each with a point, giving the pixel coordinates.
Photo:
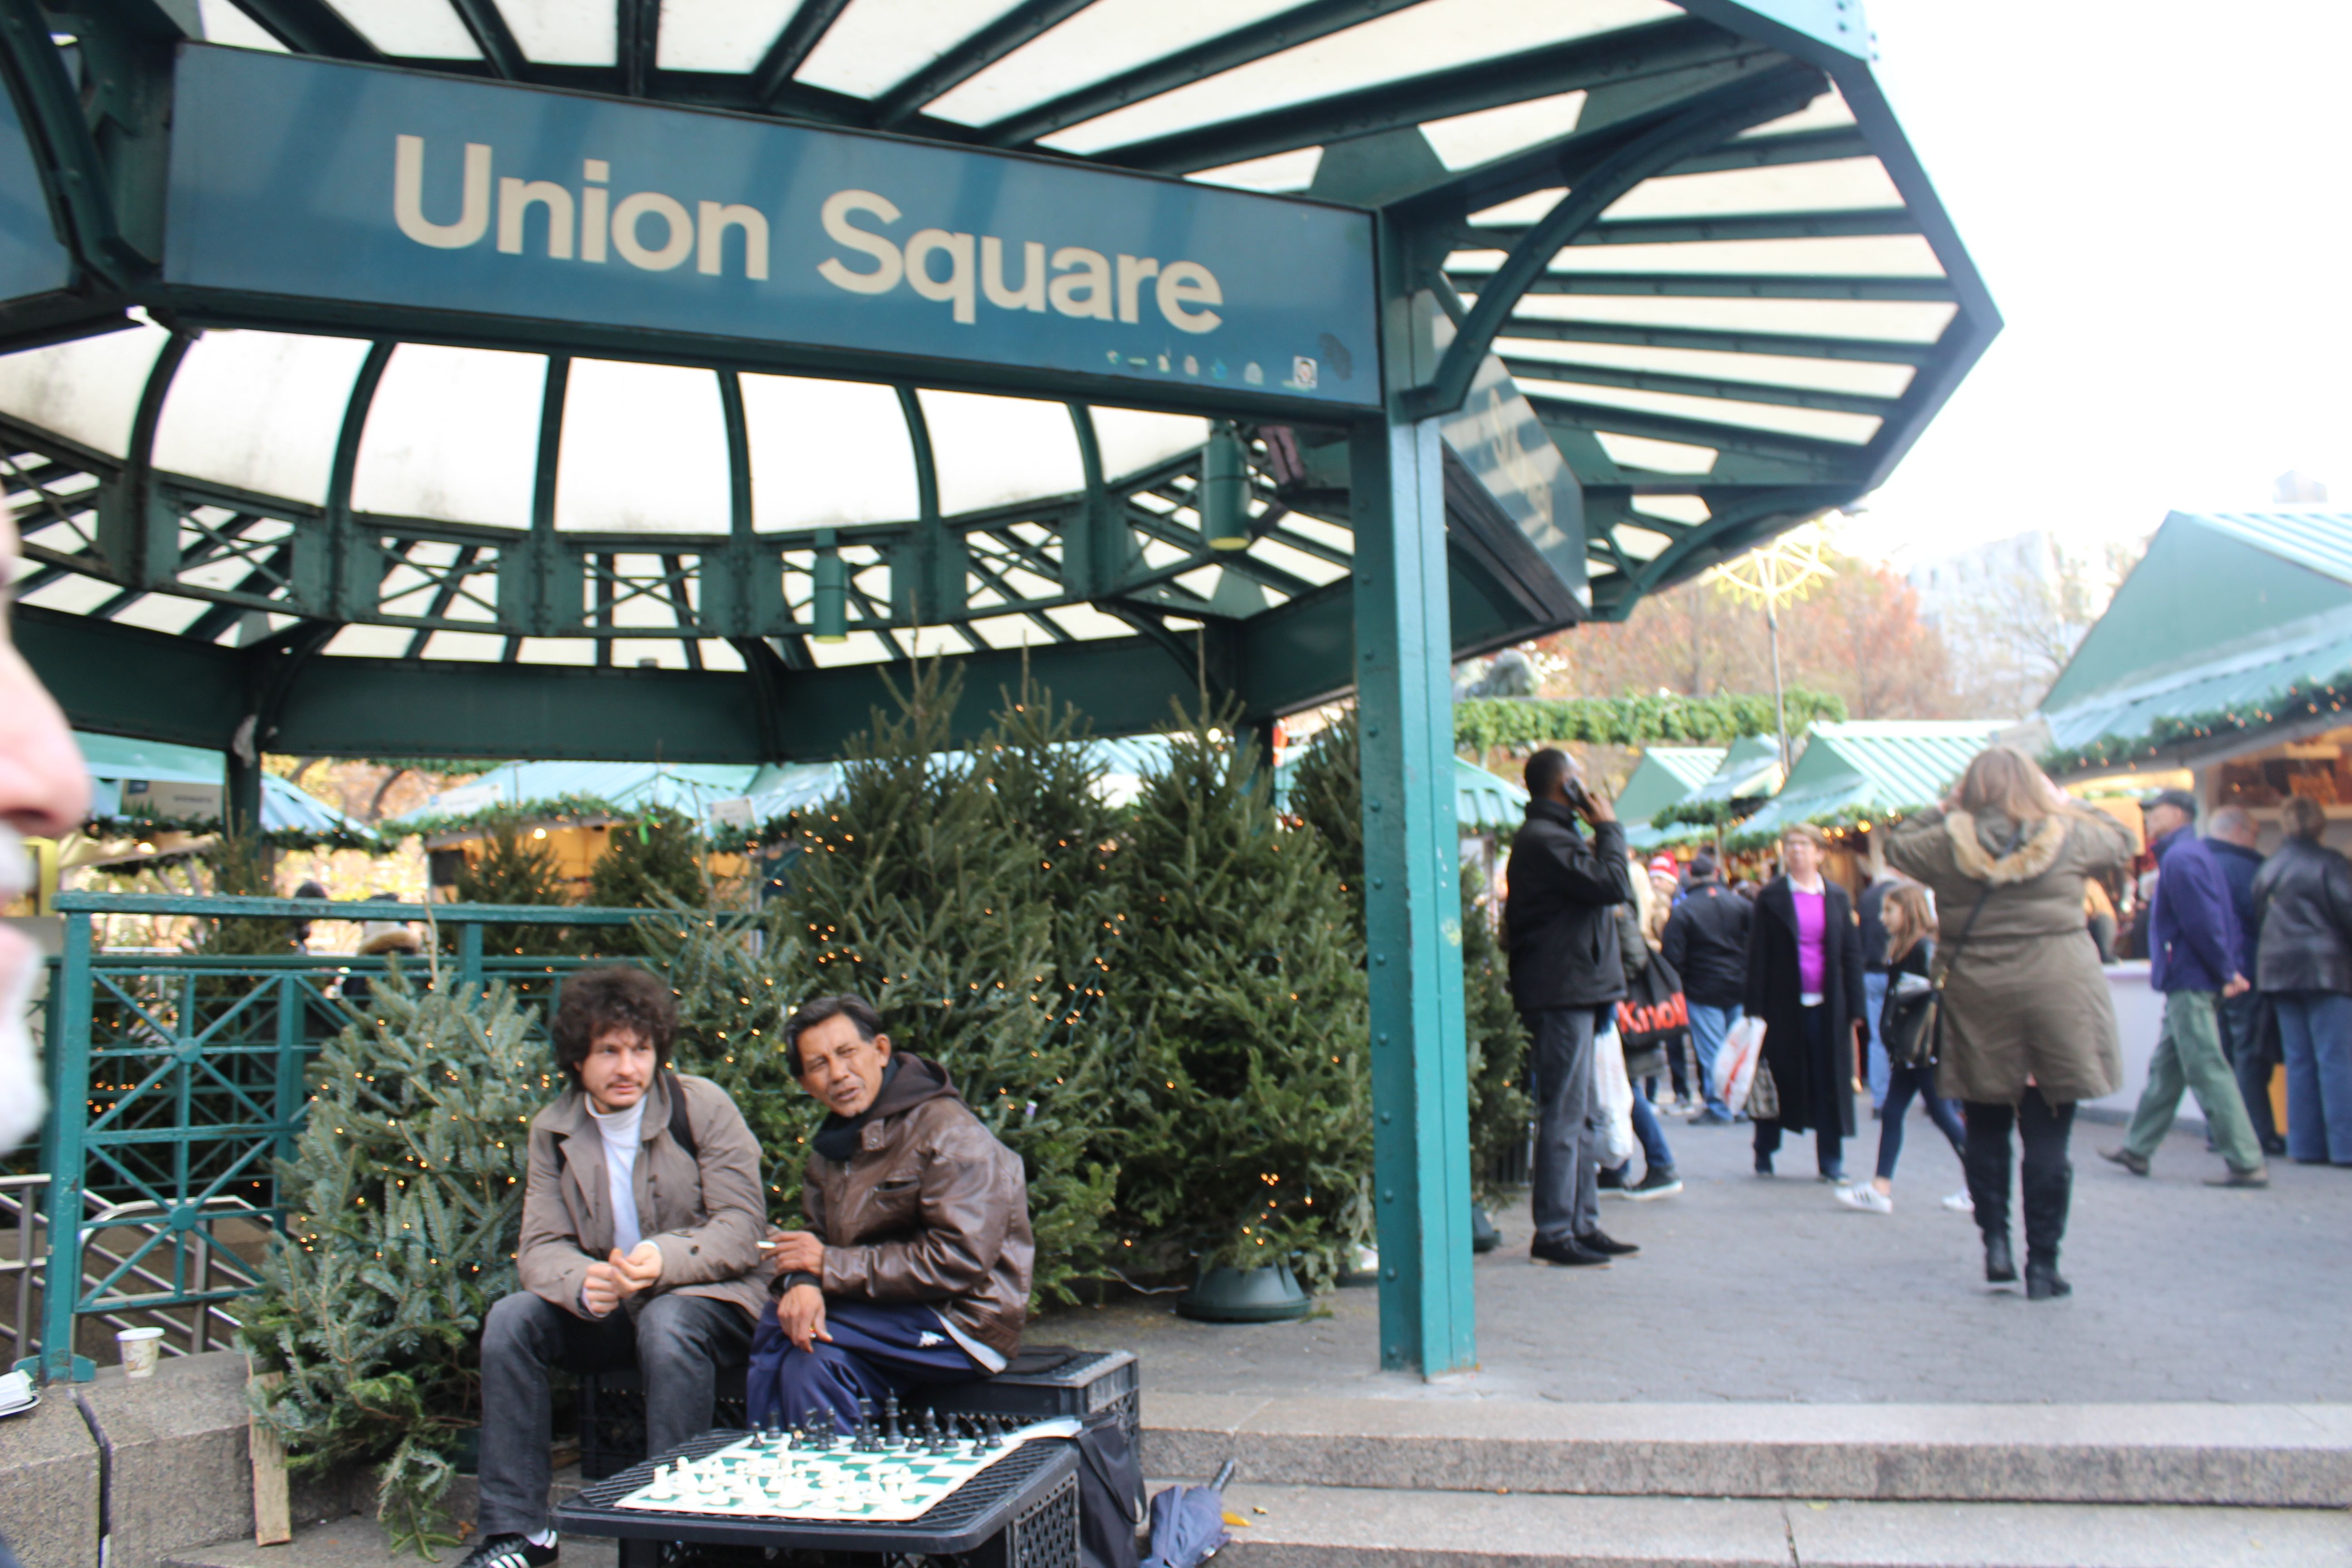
(2155, 194)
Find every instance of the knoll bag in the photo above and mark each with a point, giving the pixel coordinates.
(1657, 1010)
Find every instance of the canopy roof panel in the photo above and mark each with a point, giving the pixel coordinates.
(1688, 243)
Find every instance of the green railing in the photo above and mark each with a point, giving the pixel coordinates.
(176, 1080)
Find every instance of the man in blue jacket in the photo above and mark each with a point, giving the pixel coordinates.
(2196, 958)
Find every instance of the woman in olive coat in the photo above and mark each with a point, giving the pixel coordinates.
(1804, 980)
(2027, 1028)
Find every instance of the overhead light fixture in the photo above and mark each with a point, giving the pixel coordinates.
(1224, 500)
(829, 607)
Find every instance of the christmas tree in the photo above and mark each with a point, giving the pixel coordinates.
(1327, 792)
(1250, 1138)
(911, 887)
(403, 1203)
(653, 862)
(515, 868)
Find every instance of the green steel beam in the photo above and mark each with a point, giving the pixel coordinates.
(1027, 21)
(637, 27)
(772, 78)
(1722, 286)
(1818, 459)
(310, 28)
(1824, 146)
(1610, 59)
(487, 25)
(1863, 223)
(1862, 351)
(1528, 369)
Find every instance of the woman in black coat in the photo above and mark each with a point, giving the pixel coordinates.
(1804, 980)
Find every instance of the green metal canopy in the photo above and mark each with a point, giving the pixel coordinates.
(1693, 237)
(1630, 285)
(1878, 767)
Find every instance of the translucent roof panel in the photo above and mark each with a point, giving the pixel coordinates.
(878, 43)
(644, 450)
(719, 35)
(563, 32)
(1132, 440)
(1836, 184)
(827, 454)
(428, 29)
(260, 411)
(1426, 37)
(1820, 423)
(1780, 370)
(1466, 141)
(1888, 320)
(1107, 36)
(993, 450)
(87, 390)
(1275, 173)
(453, 434)
(224, 24)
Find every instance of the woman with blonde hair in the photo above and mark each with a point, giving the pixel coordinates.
(1905, 1027)
(2026, 1030)
(1804, 980)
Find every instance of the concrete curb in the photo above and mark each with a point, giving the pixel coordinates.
(50, 1484)
(2268, 1456)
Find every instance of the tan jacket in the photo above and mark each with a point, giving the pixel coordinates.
(2025, 997)
(931, 1208)
(706, 1211)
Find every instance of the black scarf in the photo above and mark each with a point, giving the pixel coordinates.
(838, 1138)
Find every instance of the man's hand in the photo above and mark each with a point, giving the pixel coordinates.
(602, 1290)
(2239, 985)
(641, 1269)
(800, 1314)
(796, 1252)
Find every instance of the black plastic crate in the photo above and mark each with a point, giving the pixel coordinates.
(1020, 1512)
(1043, 1381)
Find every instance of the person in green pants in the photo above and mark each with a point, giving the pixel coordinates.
(2196, 957)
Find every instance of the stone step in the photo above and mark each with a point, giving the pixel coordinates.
(2270, 1455)
(1354, 1527)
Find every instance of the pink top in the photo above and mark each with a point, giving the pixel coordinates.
(1812, 924)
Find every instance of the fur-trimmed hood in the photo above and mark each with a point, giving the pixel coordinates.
(1978, 844)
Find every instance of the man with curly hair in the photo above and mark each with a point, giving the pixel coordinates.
(641, 1225)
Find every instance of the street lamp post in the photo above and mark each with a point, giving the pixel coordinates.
(1785, 570)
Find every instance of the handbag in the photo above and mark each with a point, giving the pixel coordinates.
(1764, 1095)
(1654, 1009)
(1906, 1023)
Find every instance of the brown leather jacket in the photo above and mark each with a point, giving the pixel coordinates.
(931, 1208)
(706, 1211)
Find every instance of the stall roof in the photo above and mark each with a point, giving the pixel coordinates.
(364, 523)
(1664, 775)
(627, 786)
(2233, 623)
(1875, 765)
(285, 807)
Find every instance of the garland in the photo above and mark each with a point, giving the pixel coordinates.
(275, 838)
(2301, 699)
(1705, 813)
(1522, 723)
(562, 810)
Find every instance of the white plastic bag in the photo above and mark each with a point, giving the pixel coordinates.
(1613, 1101)
(1735, 1064)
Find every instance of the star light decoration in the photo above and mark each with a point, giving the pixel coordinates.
(1771, 575)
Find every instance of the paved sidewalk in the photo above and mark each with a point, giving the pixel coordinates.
(1748, 1290)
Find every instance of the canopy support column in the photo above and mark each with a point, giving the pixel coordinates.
(1421, 1142)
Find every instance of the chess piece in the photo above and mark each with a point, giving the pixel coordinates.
(865, 1440)
(890, 1437)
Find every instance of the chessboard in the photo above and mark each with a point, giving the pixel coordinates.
(881, 1473)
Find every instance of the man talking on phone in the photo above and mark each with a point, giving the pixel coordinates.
(1560, 917)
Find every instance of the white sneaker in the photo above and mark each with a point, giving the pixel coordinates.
(1961, 1203)
(1865, 1198)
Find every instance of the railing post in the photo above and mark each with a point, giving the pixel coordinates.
(292, 1008)
(469, 953)
(62, 1154)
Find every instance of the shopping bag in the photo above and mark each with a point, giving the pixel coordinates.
(1735, 1064)
(1613, 1101)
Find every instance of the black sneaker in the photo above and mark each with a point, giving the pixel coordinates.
(1657, 1182)
(1600, 1241)
(1566, 1254)
(509, 1551)
(1611, 1179)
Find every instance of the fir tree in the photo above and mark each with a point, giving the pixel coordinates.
(912, 888)
(1328, 793)
(1251, 1127)
(513, 869)
(404, 1200)
(654, 862)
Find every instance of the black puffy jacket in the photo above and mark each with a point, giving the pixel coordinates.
(2303, 899)
(1561, 910)
(1706, 939)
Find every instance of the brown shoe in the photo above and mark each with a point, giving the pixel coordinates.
(2136, 1163)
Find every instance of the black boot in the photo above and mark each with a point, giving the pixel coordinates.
(1987, 1163)
(2000, 1264)
(2046, 1199)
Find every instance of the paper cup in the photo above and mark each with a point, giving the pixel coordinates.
(141, 1348)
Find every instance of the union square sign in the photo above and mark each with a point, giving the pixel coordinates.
(298, 179)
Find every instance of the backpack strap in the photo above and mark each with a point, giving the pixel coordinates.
(681, 1129)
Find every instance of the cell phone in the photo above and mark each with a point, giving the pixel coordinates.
(1577, 798)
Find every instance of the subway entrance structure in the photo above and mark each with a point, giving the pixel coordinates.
(480, 378)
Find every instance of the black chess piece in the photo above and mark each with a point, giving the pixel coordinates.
(890, 1435)
(865, 1423)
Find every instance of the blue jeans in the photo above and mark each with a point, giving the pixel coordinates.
(1874, 996)
(1902, 1083)
(2316, 1032)
(1709, 1028)
(1656, 1155)
(877, 1350)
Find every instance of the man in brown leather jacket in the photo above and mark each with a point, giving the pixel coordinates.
(914, 1267)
